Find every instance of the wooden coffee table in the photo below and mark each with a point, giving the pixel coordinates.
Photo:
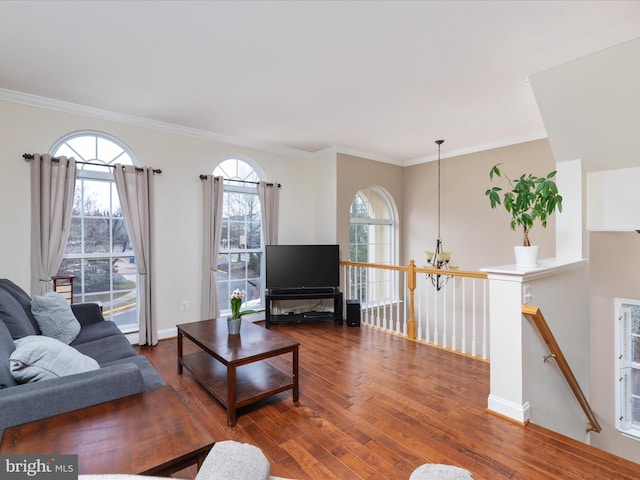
(150, 433)
(231, 367)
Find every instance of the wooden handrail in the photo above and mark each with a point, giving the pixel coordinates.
(411, 271)
(380, 266)
(535, 314)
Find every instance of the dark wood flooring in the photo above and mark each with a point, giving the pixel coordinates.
(377, 406)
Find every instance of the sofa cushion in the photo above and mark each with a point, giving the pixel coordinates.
(96, 331)
(6, 349)
(55, 318)
(152, 379)
(107, 349)
(14, 316)
(23, 299)
(88, 313)
(38, 357)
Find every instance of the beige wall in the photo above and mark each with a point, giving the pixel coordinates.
(477, 236)
(610, 277)
(177, 219)
(324, 186)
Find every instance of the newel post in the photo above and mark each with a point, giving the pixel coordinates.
(411, 284)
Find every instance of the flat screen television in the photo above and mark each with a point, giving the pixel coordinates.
(302, 266)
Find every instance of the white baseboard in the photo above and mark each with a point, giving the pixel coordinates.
(134, 338)
(173, 331)
(509, 409)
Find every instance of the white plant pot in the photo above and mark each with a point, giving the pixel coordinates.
(526, 256)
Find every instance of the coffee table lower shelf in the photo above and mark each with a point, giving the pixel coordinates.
(253, 381)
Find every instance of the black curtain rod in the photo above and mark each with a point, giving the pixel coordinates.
(29, 156)
(271, 184)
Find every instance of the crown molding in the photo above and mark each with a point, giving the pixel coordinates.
(336, 149)
(93, 112)
(477, 148)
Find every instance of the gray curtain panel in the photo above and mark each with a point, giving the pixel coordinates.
(52, 187)
(269, 196)
(212, 195)
(134, 185)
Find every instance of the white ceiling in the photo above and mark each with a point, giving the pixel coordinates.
(381, 79)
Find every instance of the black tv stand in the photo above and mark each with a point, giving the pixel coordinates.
(302, 294)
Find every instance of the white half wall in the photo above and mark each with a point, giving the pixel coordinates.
(523, 386)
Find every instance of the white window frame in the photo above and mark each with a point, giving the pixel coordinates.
(99, 174)
(382, 286)
(624, 310)
(243, 188)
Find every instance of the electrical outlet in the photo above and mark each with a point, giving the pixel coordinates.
(526, 294)
(184, 305)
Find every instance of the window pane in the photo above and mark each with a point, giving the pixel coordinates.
(116, 208)
(97, 275)
(120, 236)
(358, 208)
(66, 151)
(97, 198)
(72, 266)
(635, 321)
(96, 235)
(125, 288)
(635, 349)
(74, 241)
(84, 147)
(236, 235)
(253, 235)
(359, 235)
(635, 382)
(108, 152)
(635, 412)
(238, 266)
(223, 266)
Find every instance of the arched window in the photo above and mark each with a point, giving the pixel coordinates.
(371, 228)
(241, 254)
(98, 252)
(372, 240)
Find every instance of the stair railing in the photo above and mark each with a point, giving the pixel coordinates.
(535, 314)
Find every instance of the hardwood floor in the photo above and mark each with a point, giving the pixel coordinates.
(374, 406)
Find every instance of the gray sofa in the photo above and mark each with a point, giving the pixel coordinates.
(109, 366)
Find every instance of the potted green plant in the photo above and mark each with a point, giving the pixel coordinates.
(233, 322)
(529, 198)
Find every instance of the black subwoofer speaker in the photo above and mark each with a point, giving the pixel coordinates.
(353, 313)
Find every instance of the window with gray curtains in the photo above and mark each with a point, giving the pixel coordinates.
(269, 196)
(212, 195)
(134, 185)
(52, 187)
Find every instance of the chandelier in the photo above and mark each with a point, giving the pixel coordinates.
(439, 259)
